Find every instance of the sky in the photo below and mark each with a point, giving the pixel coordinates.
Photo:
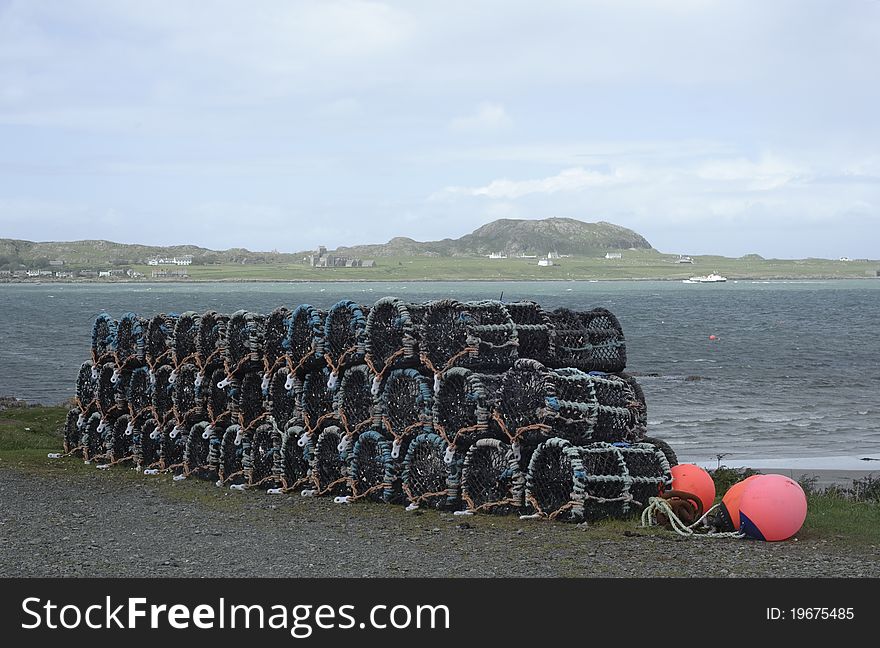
(709, 127)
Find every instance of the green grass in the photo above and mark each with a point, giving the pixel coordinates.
(831, 516)
(639, 264)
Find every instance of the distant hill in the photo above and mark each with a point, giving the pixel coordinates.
(563, 235)
(513, 236)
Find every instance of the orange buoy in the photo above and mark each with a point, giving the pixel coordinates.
(712, 337)
(772, 508)
(693, 479)
(729, 509)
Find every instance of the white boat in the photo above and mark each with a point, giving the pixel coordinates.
(713, 277)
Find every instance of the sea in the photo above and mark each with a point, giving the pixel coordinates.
(793, 369)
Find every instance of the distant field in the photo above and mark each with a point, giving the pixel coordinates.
(633, 265)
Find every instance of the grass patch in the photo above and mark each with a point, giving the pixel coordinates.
(31, 428)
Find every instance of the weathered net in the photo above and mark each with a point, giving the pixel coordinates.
(72, 431)
(246, 400)
(491, 479)
(344, 333)
(622, 413)
(103, 338)
(534, 331)
(315, 398)
(463, 404)
(216, 394)
(196, 453)
(274, 339)
(211, 340)
(428, 480)
(106, 388)
(91, 437)
(281, 400)
(129, 345)
(86, 384)
(588, 340)
(185, 342)
(405, 407)
(117, 440)
(370, 468)
(138, 393)
(329, 470)
(229, 467)
(353, 400)
(188, 401)
(243, 350)
(305, 337)
(391, 335)
(145, 444)
(162, 390)
(172, 444)
(159, 339)
(292, 464)
(258, 454)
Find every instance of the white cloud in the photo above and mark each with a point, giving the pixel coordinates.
(567, 180)
(488, 117)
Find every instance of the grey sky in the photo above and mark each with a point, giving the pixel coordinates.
(708, 127)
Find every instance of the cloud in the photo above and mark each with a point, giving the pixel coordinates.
(488, 117)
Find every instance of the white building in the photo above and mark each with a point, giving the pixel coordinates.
(545, 263)
(613, 255)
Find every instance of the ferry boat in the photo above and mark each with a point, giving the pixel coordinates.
(713, 277)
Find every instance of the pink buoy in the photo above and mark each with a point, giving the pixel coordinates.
(696, 481)
(772, 508)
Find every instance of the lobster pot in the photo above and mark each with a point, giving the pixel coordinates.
(215, 432)
(463, 404)
(106, 388)
(274, 336)
(246, 398)
(281, 399)
(353, 400)
(215, 392)
(574, 411)
(244, 342)
(615, 480)
(130, 343)
(427, 479)
(391, 335)
(491, 479)
(258, 453)
(186, 334)
(329, 471)
(590, 340)
(197, 450)
(72, 432)
(163, 402)
(117, 439)
(145, 443)
(91, 439)
(305, 337)
(534, 331)
(404, 407)
(138, 392)
(315, 398)
(550, 480)
(159, 338)
(291, 463)
(344, 333)
(622, 414)
(86, 384)
(189, 404)
(230, 466)
(211, 340)
(370, 468)
(103, 338)
(172, 445)
(477, 335)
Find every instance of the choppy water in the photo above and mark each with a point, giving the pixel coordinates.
(795, 371)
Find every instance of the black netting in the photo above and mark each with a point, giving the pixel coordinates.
(72, 432)
(315, 398)
(370, 467)
(344, 332)
(590, 340)
(663, 447)
(230, 468)
(86, 384)
(258, 454)
(463, 405)
(103, 338)
(185, 340)
(172, 444)
(477, 334)
(391, 335)
(274, 338)
(117, 440)
(622, 412)
(217, 396)
(305, 337)
(491, 479)
(91, 437)
(211, 339)
(163, 403)
(281, 400)
(189, 405)
(353, 399)
(534, 331)
(159, 338)
(328, 467)
(106, 391)
(649, 470)
(522, 402)
(247, 401)
(550, 479)
(405, 406)
(130, 342)
(292, 466)
(145, 443)
(197, 450)
(426, 474)
(138, 393)
(243, 349)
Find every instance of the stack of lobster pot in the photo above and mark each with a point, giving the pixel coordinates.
(479, 406)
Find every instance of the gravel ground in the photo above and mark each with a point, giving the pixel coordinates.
(66, 520)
